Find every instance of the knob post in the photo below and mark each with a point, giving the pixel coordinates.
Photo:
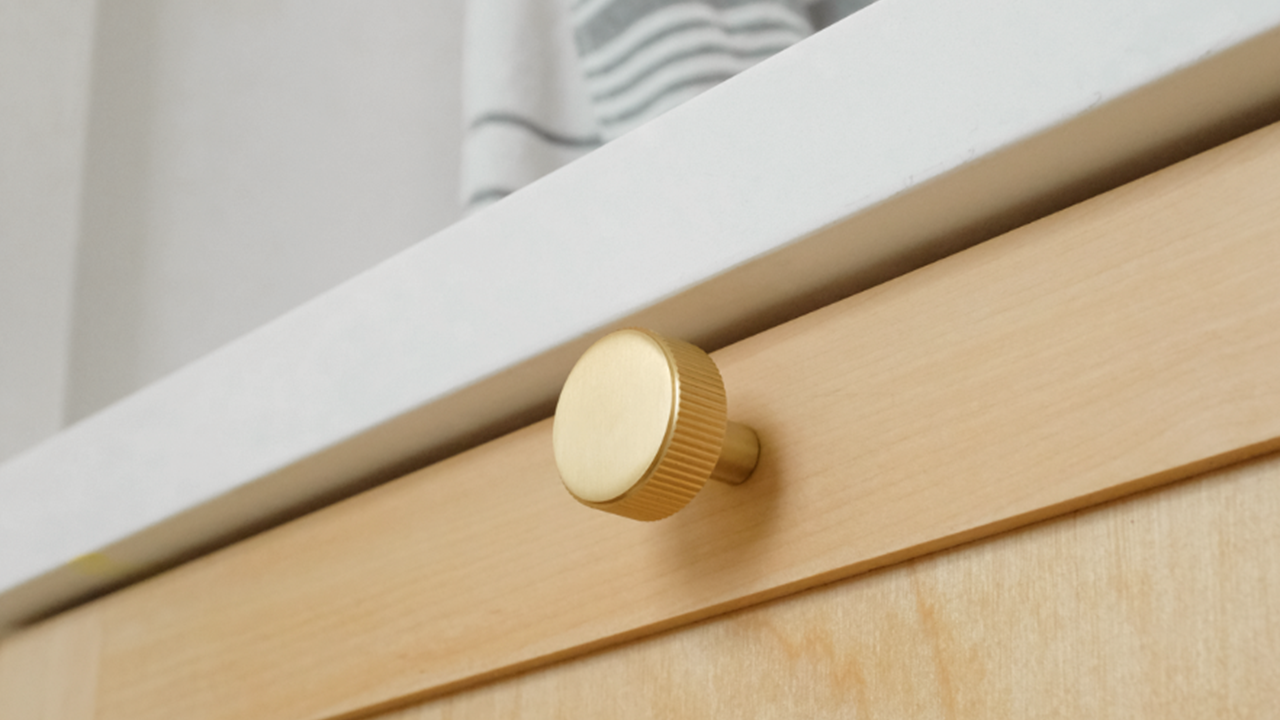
(739, 455)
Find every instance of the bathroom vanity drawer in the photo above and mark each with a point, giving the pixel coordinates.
(1124, 343)
(1157, 605)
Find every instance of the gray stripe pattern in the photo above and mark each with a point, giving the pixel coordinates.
(486, 195)
(756, 54)
(548, 81)
(612, 19)
(642, 57)
(525, 101)
(702, 82)
(824, 13)
(666, 32)
(504, 118)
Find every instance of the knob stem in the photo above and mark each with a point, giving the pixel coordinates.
(739, 456)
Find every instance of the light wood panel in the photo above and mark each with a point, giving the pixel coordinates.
(49, 671)
(1163, 605)
(1126, 342)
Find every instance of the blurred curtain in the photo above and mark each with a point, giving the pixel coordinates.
(547, 81)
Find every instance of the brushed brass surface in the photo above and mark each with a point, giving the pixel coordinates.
(642, 424)
(613, 416)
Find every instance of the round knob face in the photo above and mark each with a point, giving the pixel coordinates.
(640, 424)
(613, 416)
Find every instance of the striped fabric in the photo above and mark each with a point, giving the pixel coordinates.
(524, 98)
(547, 81)
(643, 57)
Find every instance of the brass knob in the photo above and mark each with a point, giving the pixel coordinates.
(642, 424)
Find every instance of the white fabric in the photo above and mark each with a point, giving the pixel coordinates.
(637, 67)
(524, 101)
(547, 81)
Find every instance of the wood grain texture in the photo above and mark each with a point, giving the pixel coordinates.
(49, 671)
(1164, 605)
(1126, 342)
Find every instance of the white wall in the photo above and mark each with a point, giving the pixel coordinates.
(174, 173)
(245, 155)
(44, 72)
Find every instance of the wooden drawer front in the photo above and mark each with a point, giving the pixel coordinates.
(1126, 342)
(1161, 605)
